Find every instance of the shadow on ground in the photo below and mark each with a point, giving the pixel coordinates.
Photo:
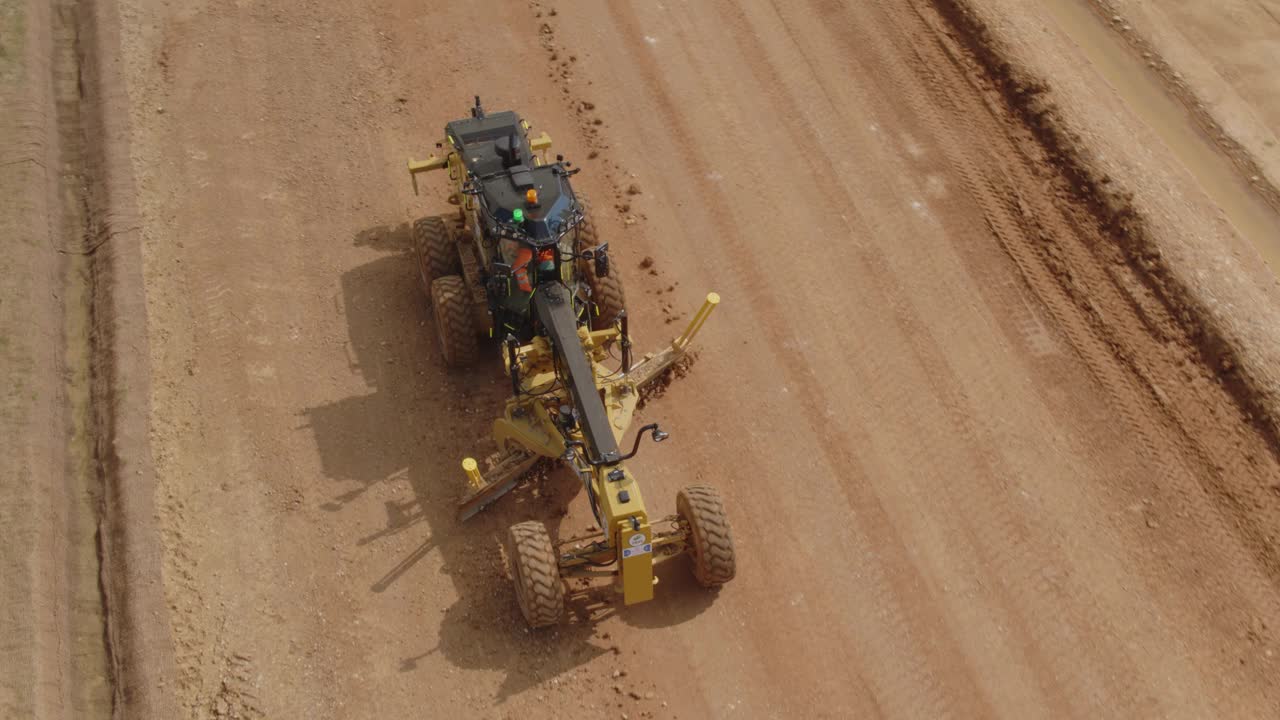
(415, 426)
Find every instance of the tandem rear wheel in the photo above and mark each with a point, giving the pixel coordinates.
(435, 250)
(455, 326)
(606, 291)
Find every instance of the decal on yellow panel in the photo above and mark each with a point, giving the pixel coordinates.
(636, 548)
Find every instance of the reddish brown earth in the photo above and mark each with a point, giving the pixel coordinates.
(975, 466)
(53, 658)
(1216, 57)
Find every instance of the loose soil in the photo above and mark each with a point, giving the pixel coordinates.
(978, 458)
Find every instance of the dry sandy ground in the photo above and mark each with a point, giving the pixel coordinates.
(975, 467)
(956, 491)
(1223, 56)
(1179, 201)
(52, 653)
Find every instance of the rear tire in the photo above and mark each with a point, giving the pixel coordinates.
(435, 249)
(536, 574)
(710, 539)
(455, 326)
(606, 292)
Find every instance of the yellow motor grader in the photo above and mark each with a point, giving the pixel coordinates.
(520, 263)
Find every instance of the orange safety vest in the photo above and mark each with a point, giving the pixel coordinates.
(521, 271)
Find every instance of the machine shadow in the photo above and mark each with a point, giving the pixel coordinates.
(414, 426)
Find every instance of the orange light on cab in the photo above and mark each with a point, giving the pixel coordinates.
(531, 196)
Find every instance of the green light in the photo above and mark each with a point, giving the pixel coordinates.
(517, 216)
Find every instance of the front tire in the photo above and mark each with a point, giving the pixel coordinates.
(451, 306)
(536, 574)
(710, 539)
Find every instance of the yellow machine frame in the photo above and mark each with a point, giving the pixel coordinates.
(526, 432)
(629, 542)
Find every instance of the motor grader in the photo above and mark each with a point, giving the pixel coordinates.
(520, 263)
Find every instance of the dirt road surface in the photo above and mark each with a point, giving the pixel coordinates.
(1217, 57)
(51, 612)
(974, 469)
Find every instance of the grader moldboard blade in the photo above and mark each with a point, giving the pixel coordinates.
(503, 475)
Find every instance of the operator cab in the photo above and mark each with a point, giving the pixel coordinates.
(495, 150)
(491, 143)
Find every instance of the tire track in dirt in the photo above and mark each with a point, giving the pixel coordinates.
(957, 442)
(1007, 210)
(1002, 202)
(137, 632)
(1250, 170)
(904, 675)
(1090, 324)
(892, 563)
(763, 637)
(226, 344)
(984, 502)
(1218, 344)
(54, 627)
(1096, 328)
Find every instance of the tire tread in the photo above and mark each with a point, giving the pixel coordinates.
(451, 305)
(535, 570)
(700, 507)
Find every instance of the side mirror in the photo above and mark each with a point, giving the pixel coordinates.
(601, 257)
